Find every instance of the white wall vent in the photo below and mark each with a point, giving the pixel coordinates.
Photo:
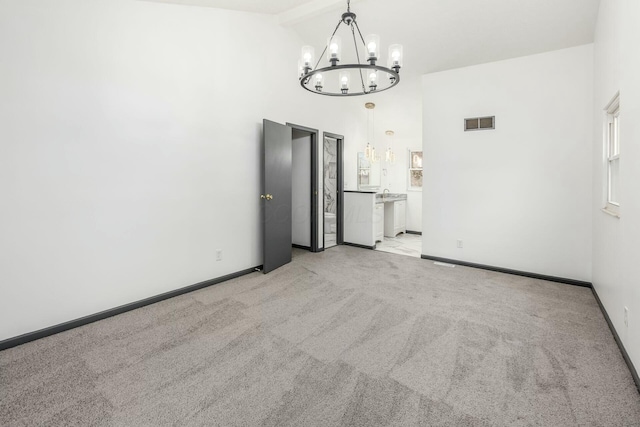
(480, 123)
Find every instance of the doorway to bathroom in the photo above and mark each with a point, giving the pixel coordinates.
(304, 188)
(333, 194)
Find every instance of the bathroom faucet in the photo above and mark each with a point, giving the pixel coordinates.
(385, 191)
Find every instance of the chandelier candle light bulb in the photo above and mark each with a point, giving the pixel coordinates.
(318, 82)
(395, 56)
(308, 53)
(345, 77)
(373, 48)
(334, 50)
(373, 80)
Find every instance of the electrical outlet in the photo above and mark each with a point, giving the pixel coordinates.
(219, 255)
(460, 244)
(626, 317)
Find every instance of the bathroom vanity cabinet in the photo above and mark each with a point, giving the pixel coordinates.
(369, 217)
(395, 218)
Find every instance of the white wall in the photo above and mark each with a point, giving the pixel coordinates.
(131, 149)
(518, 196)
(616, 270)
(300, 189)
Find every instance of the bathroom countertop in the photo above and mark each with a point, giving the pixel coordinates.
(360, 191)
(390, 198)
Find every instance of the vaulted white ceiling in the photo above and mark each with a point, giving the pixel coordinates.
(439, 34)
(258, 6)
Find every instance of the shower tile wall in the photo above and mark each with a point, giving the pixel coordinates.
(330, 174)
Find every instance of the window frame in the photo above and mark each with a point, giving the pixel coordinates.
(411, 169)
(612, 155)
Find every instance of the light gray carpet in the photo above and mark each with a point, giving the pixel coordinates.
(346, 337)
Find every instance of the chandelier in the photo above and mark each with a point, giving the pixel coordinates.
(336, 79)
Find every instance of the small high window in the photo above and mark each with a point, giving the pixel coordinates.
(612, 151)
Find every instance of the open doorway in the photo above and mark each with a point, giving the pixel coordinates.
(333, 185)
(304, 174)
(401, 187)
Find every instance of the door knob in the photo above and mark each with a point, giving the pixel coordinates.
(262, 196)
(269, 197)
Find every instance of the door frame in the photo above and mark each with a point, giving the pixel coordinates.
(313, 191)
(340, 184)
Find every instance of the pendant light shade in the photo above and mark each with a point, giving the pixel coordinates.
(370, 149)
(390, 156)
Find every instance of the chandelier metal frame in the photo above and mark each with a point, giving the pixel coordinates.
(349, 19)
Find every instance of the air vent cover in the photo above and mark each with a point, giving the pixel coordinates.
(480, 123)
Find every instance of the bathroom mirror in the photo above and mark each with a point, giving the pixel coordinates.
(368, 174)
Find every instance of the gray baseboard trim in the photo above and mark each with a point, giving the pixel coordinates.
(413, 232)
(306, 248)
(359, 246)
(625, 355)
(573, 282)
(32, 336)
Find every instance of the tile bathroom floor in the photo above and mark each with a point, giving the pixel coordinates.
(402, 244)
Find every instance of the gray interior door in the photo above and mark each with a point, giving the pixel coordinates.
(276, 195)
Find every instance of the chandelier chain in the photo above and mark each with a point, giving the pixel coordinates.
(358, 57)
(361, 38)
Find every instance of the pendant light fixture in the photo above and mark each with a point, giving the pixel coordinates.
(370, 149)
(340, 79)
(390, 156)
